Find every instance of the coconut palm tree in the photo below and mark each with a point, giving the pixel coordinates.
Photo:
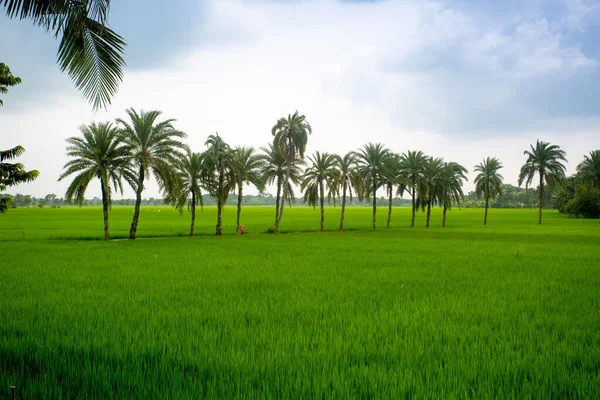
(290, 136)
(89, 50)
(321, 176)
(220, 176)
(545, 160)
(155, 147)
(430, 186)
(348, 179)
(191, 170)
(100, 153)
(589, 169)
(370, 165)
(275, 171)
(451, 192)
(412, 164)
(12, 174)
(488, 182)
(392, 176)
(248, 168)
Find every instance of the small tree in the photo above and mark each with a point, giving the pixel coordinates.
(12, 174)
(7, 79)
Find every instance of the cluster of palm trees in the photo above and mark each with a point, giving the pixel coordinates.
(133, 150)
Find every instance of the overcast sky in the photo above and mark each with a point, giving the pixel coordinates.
(461, 79)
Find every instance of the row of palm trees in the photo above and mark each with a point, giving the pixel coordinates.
(133, 150)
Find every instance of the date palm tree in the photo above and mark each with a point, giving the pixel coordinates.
(589, 169)
(370, 165)
(220, 177)
(100, 153)
(321, 176)
(430, 186)
(89, 50)
(248, 167)
(290, 136)
(392, 176)
(545, 160)
(155, 147)
(451, 192)
(191, 170)
(412, 164)
(348, 179)
(488, 182)
(12, 174)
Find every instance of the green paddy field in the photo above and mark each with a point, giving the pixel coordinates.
(509, 310)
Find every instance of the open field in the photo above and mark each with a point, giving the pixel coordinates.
(510, 310)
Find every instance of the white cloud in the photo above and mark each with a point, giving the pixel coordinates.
(413, 75)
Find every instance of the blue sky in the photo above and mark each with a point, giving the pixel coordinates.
(455, 78)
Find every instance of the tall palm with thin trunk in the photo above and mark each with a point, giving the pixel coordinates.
(276, 171)
(99, 153)
(589, 169)
(430, 187)
(290, 136)
(155, 147)
(546, 160)
(320, 177)
(370, 165)
(453, 176)
(412, 164)
(248, 168)
(392, 177)
(488, 182)
(348, 179)
(220, 177)
(191, 170)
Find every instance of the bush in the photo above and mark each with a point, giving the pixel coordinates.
(585, 204)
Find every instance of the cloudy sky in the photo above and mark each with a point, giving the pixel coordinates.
(459, 79)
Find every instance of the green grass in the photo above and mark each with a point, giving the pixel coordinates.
(510, 310)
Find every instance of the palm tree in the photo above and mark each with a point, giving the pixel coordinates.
(430, 186)
(220, 177)
(155, 147)
(589, 169)
(320, 176)
(89, 50)
(191, 171)
(546, 160)
(248, 168)
(348, 179)
(412, 164)
(451, 192)
(100, 153)
(370, 165)
(290, 136)
(488, 181)
(12, 174)
(392, 176)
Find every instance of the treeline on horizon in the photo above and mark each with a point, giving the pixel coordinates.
(512, 197)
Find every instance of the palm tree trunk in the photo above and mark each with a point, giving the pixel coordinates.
(138, 203)
(105, 209)
(389, 219)
(444, 217)
(541, 198)
(487, 202)
(322, 200)
(278, 220)
(428, 215)
(277, 199)
(414, 207)
(239, 206)
(193, 213)
(374, 201)
(219, 231)
(343, 207)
